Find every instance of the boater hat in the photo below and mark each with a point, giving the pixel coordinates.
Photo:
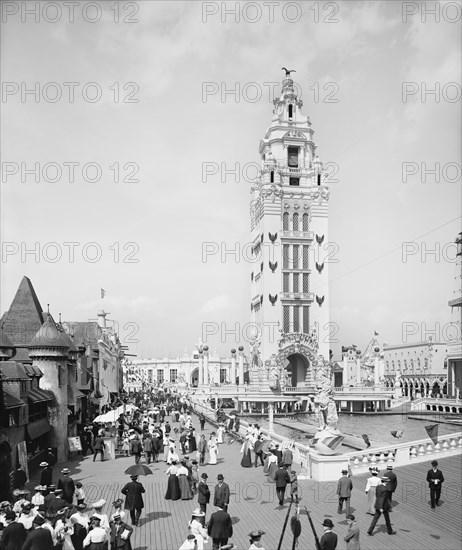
(197, 513)
(43, 464)
(256, 534)
(65, 471)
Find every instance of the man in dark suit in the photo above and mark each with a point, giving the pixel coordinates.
(136, 448)
(66, 483)
(391, 483)
(38, 538)
(133, 492)
(257, 449)
(435, 479)
(51, 496)
(221, 495)
(203, 493)
(344, 488)
(220, 528)
(329, 539)
(281, 478)
(14, 533)
(382, 505)
(119, 528)
(46, 477)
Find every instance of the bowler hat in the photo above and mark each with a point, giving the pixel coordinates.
(344, 471)
(434, 463)
(220, 476)
(38, 520)
(351, 516)
(328, 523)
(204, 475)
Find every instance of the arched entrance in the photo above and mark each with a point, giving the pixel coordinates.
(297, 367)
(195, 377)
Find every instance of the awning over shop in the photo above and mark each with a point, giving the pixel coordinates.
(11, 402)
(38, 428)
(37, 395)
(79, 395)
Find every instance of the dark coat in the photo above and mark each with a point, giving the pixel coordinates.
(118, 543)
(392, 480)
(221, 494)
(38, 539)
(281, 477)
(431, 476)
(46, 477)
(381, 498)
(14, 536)
(220, 525)
(203, 493)
(66, 483)
(344, 487)
(135, 446)
(133, 493)
(329, 541)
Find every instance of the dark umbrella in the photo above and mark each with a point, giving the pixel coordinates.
(232, 413)
(138, 470)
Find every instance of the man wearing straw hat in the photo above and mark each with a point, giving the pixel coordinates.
(120, 534)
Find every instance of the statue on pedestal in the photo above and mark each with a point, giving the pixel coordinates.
(327, 438)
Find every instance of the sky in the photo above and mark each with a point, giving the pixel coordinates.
(134, 165)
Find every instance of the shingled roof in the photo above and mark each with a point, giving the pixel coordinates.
(23, 319)
(12, 370)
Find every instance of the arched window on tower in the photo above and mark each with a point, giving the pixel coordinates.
(291, 111)
(285, 221)
(295, 222)
(319, 179)
(272, 176)
(305, 222)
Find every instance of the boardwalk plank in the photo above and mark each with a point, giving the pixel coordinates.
(253, 505)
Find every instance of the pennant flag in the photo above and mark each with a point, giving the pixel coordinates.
(397, 433)
(366, 440)
(376, 333)
(103, 293)
(432, 431)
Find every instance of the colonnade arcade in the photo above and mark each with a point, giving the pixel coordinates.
(420, 386)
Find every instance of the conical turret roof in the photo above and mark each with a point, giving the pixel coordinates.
(49, 336)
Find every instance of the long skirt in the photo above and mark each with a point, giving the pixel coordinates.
(192, 444)
(272, 470)
(185, 488)
(266, 465)
(173, 488)
(213, 455)
(371, 501)
(246, 461)
(77, 537)
(97, 546)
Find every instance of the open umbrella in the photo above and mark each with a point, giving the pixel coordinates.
(266, 445)
(232, 413)
(138, 470)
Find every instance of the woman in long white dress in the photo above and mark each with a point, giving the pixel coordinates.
(220, 433)
(272, 466)
(371, 486)
(213, 449)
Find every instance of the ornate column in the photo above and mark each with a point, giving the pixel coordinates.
(376, 371)
(270, 417)
(201, 368)
(241, 365)
(206, 365)
(358, 372)
(232, 374)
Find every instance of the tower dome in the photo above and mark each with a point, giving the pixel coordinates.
(49, 336)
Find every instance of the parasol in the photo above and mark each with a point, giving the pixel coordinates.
(232, 413)
(266, 445)
(138, 470)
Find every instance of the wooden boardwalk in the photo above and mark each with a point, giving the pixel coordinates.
(253, 505)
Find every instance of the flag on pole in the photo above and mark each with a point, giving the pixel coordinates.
(366, 440)
(432, 431)
(376, 333)
(397, 433)
(103, 293)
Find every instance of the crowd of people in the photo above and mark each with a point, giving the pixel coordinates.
(58, 516)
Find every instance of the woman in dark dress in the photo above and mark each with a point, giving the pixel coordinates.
(246, 461)
(192, 441)
(173, 487)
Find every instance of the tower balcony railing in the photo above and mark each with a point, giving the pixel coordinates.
(306, 296)
(307, 235)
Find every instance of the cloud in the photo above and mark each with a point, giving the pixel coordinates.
(215, 304)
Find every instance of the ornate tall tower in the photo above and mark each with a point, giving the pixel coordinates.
(289, 281)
